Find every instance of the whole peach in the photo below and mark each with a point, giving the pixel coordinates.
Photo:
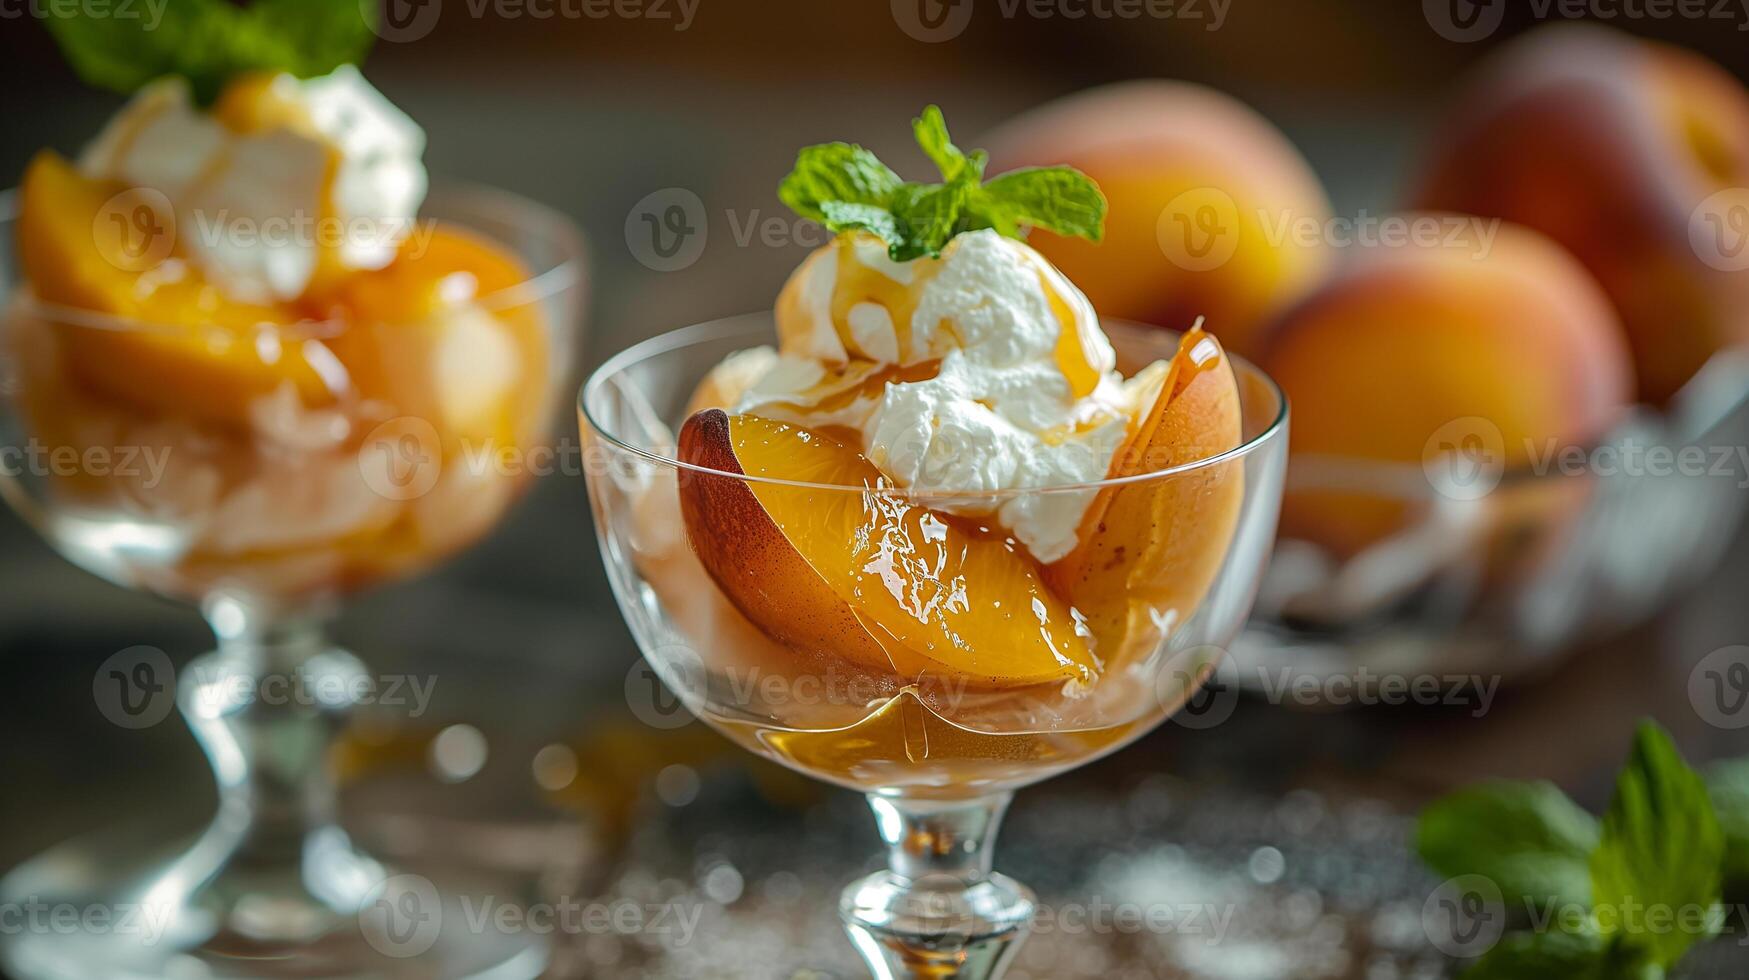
(1213, 212)
(1633, 155)
(1415, 348)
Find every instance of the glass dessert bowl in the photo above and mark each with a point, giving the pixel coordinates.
(260, 426)
(948, 539)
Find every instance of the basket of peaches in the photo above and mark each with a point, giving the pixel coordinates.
(262, 369)
(952, 533)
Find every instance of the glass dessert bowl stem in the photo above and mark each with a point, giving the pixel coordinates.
(939, 909)
(274, 865)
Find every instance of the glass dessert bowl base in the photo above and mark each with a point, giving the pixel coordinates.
(274, 887)
(110, 906)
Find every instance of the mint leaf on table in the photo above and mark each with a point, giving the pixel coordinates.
(210, 41)
(1545, 955)
(1528, 838)
(1728, 784)
(1660, 853)
(837, 184)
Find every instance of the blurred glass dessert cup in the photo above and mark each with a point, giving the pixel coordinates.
(952, 536)
(237, 385)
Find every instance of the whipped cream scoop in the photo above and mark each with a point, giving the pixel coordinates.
(283, 176)
(979, 371)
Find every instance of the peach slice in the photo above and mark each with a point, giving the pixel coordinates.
(418, 340)
(1150, 550)
(874, 579)
(204, 353)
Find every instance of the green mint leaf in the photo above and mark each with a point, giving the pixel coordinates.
(1728, 784)
(928, 215)
(1528, 838)
(1058, 199)
(920, 219)
(1545, 955)
(930, 129)
(1655, 876)
(322, 34)
(841, 216)
(210, 41)
(836, 172)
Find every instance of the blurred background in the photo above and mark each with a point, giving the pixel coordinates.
(531, 754)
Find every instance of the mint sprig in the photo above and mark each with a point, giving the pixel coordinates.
(1527, 838)
(847, 188)
(210, 41)
(1662, 848)
(1648, 875)
(1728, 784)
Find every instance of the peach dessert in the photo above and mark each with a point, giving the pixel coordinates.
(932, 491)
(242, 292)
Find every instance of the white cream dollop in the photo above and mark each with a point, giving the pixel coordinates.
(254, 210)
(1000, 414)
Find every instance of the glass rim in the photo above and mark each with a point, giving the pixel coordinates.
(554, 226)
(725, 326)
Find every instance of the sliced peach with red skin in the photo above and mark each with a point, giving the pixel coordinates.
(872, 578)
(1149, 550)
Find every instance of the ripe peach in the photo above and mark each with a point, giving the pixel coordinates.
(1205, 200)
(1150, 550)
(421, 338)
(877, 580)
(197, 352)
(1615, 148)
(1406, 341)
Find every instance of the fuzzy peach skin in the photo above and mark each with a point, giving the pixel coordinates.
(1609, 145)
(1204, 196)
(1405, 339)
